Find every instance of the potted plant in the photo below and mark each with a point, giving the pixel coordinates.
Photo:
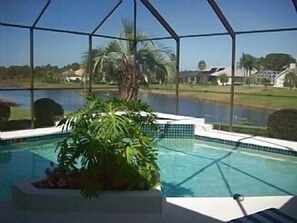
(106, 150)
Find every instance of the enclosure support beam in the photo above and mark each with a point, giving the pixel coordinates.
(171, 31)
(89, 72)
(295, 4)
(177, 74)
(231, 32)
(232, 83)
(32, 77)
(161, 20)
(41, 13)
(221, 16)
(135, 41)
(106, 17)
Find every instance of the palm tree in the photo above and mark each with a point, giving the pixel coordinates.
(201, 65)
(291, 79)
(242, 64)
(128, 63)
(247, 62)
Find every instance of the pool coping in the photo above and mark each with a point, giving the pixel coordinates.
(266, 144)
(278, 146)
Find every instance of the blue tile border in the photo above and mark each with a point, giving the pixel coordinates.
(178, 131)
(247, 145)
(33, 138)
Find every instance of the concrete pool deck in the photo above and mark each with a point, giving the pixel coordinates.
(249, 139)
(175, 210)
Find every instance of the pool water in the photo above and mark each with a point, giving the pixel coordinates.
(189, 168)
(203, 169)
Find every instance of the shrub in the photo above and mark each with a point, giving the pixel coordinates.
(20, 124)
(46, 112)
(282, 124)
(106, 149)
(4, 115)
(4, 112)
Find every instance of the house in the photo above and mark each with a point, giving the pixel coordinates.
(211, 75)
(74, 76)
(238, 76)
(194, 77)
(279, 80)
(265, 74)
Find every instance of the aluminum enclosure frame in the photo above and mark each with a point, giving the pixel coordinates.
(173, 35)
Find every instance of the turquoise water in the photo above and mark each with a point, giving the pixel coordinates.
(189, 168)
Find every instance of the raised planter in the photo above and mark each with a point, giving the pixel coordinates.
(30, 198)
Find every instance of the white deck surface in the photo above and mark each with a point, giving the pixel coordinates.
(175, 210)
(257, 140)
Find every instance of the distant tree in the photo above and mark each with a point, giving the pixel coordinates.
(171, 67)
(242, 64)
(201, 65)
(291, 80)
(51, 76)
(223, 78)
(248, 81)
(73, 66)
(3, 73)
(16, 72)
(248, 63)
(260, 64)
(277, 61)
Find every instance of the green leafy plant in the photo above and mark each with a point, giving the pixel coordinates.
(109, 147)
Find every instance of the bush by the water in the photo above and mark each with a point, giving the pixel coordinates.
(46, 111)
(282, 124)
(4, 115)
(4, 112)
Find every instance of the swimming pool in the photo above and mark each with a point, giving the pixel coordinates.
(189, 168)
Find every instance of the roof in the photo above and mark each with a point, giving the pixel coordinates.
(99, 17)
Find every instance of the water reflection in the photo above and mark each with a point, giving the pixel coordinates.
(210, 110)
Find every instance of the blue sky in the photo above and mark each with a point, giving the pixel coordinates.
(185, 16)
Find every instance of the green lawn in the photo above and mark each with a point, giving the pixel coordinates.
(255, 96)
(19, 113)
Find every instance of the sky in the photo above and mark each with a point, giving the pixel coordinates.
(186, 17)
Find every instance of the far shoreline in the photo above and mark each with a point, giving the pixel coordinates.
(211, 96)
(194, 95)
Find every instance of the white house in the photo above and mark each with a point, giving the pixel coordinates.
(78, 75)
(280, 78)
(238, 75)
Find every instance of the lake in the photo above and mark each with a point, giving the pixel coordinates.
(211, 111)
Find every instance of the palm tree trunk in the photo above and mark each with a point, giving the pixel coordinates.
(128, 84)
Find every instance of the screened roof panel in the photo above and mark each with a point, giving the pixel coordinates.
(113, 25)
(76, 15)
(148, 23)
(20, 12)
(250, 15)
(189, 17)
(186, 17)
